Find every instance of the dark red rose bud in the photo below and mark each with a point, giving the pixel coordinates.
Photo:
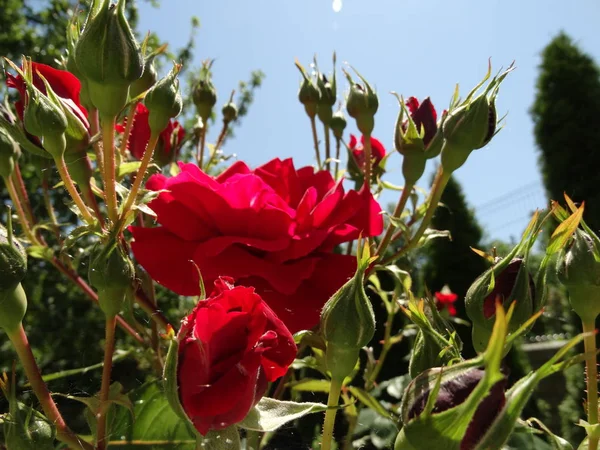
(504, 285)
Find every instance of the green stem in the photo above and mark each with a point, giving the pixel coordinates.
(109, 349)
(25, 225)
(70, 186)
(128, 127)
(63, 432)
(50, 207)
(222, 136)
(109, 175)
(22, 193)
(313, 126)
(327, 148)
(367, 150)
(387, 345)
(335, 389)
(387, 238)
(337, 157)
(201, 145)
(591, 366)
(441, 180)
(139, 177)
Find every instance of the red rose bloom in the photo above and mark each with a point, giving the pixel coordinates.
(358, 151)
(64, 84)
(274, 228)
(423, 115)
(230, 347)
(445, 300)
(168, 143)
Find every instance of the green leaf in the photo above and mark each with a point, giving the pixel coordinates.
(369, 401)
(310, 385)
(564, 231)
(269, 414)
(127, 168)
(557, 442)
(154, 425)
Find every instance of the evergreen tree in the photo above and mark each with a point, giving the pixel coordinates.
(566, 113)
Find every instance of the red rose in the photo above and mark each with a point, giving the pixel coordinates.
(446, 299)
(168, 143)
(274, 228)
(358, 151)
(230, 347)
(424, 115)
(64, 84)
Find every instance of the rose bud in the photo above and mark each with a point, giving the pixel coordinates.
(456, 385)
(578, 268)
(204, 94)
(338, 124)
(511, 283)
(148, 78)
(227, 350)
(308, 94)
(163, 101)
(111, 274)
(416, 137)
(362, 104)
(348, 322)
(13, 267)
(229, 111)
(327, 99)
(108, 56)
(10, 152)
(472, 124)
(436, 343)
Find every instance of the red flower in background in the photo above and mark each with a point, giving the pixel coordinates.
(445, 300)
(230, 347)
(423, 115)
(274, 228)
(358, 151)
(169, 141)
(64, 84)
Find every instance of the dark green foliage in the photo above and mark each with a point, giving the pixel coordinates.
(566, 113)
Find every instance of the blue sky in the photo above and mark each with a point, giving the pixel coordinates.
(415, 47)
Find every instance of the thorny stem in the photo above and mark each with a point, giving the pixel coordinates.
(332, 401)
(591, 366)
(49, 206)
(313, 126)
(25, 225)
(222, 135)
(128, 127)
(439, 184)
(94, 130)
(70, 186)
(139, 177)
(387, 238)
(367, 150)
(327, 148)
(201, 145)
(22, 193)
(63, 433)
(109, 175)
(109, 349)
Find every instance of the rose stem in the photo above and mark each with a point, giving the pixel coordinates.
(25, 225)
(367, 151)
(387, 238)
(22, 193)
(313, 126)
(128, 127)
(337, 157)
(589, 343)
(63, 432)
(50, 207)
(68, 182)
(94, 130)
(139, 177)
(387, 345)
(110, 192)
(109, 348)
(327, 148)
(201, 144)
(332, 401)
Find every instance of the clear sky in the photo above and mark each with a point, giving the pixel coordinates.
(415, 47)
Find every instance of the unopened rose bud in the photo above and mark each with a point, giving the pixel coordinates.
(229, 110)
(348, 322)
(147, 80)
(512, 283)
(308, 94)
(9, 154)
(362, 104)
(204, 94)
(327, 98)
(338, 124)
(108, 56)
(111, 274)
(164, 101)
(578, 269)
(13, 267)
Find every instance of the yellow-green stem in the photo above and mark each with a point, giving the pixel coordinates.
(25, 225)
(387, 238)
(109, 349)
(387, 345)
(327, 148)
(128, 127)
(139, 177)
(201, 145)
(332, 401)
(313, 126)
(337, 157)
(50, 207)
(109, 175)
(22, 193)
(441, 180)
(63, 432)
(70, 186)
(591, 366)
(367, 150)
(94, 130)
